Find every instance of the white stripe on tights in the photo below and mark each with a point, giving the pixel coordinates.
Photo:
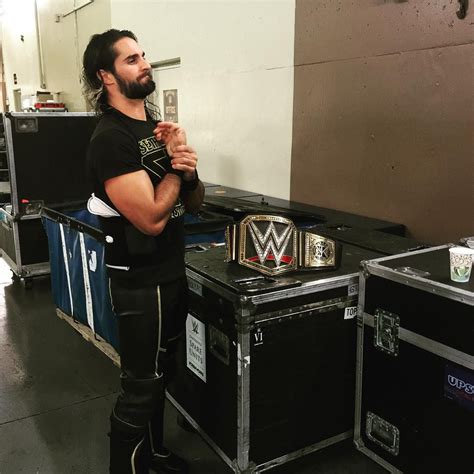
(158, 294)
(132, 459)
(158, 343)
(152, 444)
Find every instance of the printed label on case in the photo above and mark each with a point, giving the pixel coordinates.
(459, 385)
(350, 312)
(353, 290)
(258, 337)
(196, 346)
(195, 287)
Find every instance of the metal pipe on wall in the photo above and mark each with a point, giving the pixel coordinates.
(75, 9)
(40, 48)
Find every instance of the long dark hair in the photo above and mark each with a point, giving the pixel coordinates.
(100, 54)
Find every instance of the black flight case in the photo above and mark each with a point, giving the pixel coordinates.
(415, 365)
(266, 372)
(330, 217)
(46, 164)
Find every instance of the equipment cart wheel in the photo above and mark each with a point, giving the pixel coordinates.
(27, 283)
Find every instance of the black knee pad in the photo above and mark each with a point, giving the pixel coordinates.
(137, 402)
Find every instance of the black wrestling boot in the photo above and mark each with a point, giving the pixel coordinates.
(126, 451)
(166, 462)
(158, 458)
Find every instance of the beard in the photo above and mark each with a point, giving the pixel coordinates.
(136, 89)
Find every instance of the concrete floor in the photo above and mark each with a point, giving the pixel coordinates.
(56, 392)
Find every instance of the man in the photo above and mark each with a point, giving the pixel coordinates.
(144, 177)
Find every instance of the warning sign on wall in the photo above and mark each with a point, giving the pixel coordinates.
(196, 346)
(170, 105)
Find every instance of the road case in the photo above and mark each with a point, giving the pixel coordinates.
(46, 164)
(238, 208)
(24, 244)
(205, 227)
(415, 365)
(226, 191)
(266, 371)
(330, 217)
(382, 242)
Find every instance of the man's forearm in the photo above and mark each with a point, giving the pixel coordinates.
(166, 195)
(193, 199)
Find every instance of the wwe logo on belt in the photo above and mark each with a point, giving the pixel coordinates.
(270, 242)
(273, 238)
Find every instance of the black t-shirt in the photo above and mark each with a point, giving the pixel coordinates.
(121, 145)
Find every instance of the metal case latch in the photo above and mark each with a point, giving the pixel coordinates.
(26, 124)
(382, 433)
(386, 327)
(219, 344)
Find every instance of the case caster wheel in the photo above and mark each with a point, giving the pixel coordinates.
(27, 283)
(184, 424)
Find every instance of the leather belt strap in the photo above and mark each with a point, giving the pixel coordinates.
(273, 245)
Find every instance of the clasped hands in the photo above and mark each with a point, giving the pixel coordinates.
(183, 157)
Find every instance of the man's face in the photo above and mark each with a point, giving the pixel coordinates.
(132, 71)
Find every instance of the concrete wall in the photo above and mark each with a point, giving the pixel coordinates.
(377, 113)
(384, 112)
(236, 93)
(63, 42)
(236, 90)
(20, 51)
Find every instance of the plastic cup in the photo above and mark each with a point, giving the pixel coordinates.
(460, 263)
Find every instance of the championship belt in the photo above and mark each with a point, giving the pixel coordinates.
(273, 245)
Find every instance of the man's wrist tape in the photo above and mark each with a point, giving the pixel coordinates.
(190, 185)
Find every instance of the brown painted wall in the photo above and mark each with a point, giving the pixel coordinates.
(383, 120)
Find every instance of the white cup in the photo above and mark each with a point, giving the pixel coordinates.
(460, 263)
